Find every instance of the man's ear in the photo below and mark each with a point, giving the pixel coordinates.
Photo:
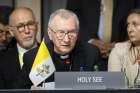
(49, 34)
(36, 28)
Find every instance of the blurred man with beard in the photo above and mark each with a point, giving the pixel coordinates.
(23, 27)
(5, 36)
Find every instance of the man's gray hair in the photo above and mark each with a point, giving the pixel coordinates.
(65, 14)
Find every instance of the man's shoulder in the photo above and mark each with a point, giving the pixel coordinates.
(87, 54)
(31, 53)
(34, 51)
(8, 54)
(29, 57)
(9, 58)
(88, 47)
(9, 50)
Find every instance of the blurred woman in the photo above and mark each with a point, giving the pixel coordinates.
(125, 56)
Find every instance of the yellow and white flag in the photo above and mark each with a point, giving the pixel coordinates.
(43, 66)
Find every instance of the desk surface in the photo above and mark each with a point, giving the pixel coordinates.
(73, 91)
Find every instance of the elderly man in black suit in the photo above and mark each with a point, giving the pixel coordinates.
(23, 27)
(67, 53)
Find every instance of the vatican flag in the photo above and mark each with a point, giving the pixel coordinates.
(43, 66)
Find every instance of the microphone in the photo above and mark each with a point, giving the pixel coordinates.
(83, 67)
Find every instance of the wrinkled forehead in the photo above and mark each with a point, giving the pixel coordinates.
(21, 16)
(60, 22)
(133, 16)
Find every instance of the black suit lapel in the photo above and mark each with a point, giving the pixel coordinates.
(15, 59)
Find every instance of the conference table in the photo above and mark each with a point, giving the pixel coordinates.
(73, 91)
(72, 82)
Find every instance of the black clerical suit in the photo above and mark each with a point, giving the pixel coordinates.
(82, 58)
(9, 67)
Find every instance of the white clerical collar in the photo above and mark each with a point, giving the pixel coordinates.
(64, 56)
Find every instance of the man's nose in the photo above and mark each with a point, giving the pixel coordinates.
(130, 28)
(66, 38)
(27, 30)
(4, 38)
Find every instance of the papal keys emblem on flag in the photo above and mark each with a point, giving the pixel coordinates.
(43, 66)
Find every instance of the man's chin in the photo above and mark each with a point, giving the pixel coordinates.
(28, 46)
(65, 51)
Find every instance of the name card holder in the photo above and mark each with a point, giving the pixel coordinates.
(89, 80)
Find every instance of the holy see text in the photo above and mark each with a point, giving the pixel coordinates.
(93, 79)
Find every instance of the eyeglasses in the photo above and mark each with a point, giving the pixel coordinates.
(31, 25)
(61, 33)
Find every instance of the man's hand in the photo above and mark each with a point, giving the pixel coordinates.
(104, 47)
(36, 87)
